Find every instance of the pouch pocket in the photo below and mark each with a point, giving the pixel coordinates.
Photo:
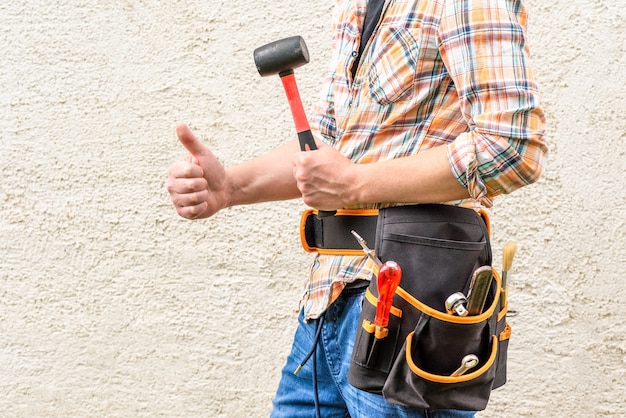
(436, 268)
(421, 376)
(504, 335)
(437, 347)
(438, 248)
(372, 346)
(415, 386)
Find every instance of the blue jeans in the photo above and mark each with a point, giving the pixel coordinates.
(337, 398)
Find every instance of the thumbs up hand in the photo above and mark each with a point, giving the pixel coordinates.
(197, 185)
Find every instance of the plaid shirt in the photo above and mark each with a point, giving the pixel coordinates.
(434, 72)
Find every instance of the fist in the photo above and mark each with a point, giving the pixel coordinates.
(197, 184)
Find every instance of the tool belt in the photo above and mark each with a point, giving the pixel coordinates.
(331, 235)
(411, 363)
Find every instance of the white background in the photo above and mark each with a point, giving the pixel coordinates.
(111, 305)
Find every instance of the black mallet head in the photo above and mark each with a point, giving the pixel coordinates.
(281, 56)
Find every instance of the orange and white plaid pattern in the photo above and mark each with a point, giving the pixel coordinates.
(434, 72)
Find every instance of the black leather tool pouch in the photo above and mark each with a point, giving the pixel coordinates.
(412, 362)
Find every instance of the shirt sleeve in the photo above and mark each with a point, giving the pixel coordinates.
(483, 45)
(323, 123)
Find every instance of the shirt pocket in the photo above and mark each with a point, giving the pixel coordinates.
(393, 69)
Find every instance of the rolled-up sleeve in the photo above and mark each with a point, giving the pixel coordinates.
(483, 45)
(323, 123)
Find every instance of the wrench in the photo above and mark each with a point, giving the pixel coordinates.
(455, 304)
(469, 361)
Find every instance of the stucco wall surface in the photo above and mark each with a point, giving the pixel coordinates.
(111, 305)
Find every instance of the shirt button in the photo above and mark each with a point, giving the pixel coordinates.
(355, 54)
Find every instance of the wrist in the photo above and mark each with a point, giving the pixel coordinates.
(232, 192)
(361, 185)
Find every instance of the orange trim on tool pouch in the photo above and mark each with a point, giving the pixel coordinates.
(326, 251)
(381, 332)
(450, 379)
(374, 301)
(368, 326)
(506, 333)
(453, 318)
(503, 311)
(354, 212)
(483, 213)
(305, 215)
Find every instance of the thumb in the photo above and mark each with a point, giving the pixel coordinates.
(189, 140)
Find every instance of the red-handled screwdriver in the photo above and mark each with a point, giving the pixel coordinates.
(389, 277)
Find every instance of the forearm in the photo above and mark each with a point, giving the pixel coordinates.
(265, 178)
(422, 178)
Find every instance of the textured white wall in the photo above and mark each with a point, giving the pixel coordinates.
(111, 305)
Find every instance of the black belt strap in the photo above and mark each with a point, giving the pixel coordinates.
(335, 232)
(333, 235)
